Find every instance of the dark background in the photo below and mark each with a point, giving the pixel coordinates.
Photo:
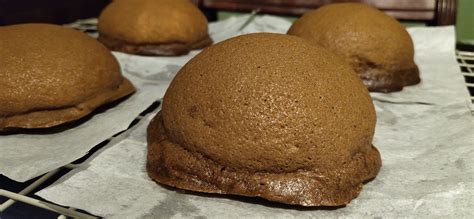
(48, 11)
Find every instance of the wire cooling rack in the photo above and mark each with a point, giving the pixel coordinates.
(25, 195)
(466, 62)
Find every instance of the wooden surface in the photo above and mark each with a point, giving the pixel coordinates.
(445, 12)
(434, 12)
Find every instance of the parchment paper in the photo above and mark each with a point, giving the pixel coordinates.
(427, 152)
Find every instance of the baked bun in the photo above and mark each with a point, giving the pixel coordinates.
(51, 75)
(266, 115)
(153, 27)
(377, 46)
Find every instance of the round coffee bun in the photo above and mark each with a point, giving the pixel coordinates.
(377, 46)
(266, 115)
(52, 75)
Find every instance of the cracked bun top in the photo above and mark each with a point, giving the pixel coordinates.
(153, 21)
(52, 74)
(269, 102)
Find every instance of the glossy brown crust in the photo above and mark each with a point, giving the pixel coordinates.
(376, 45)
(171, 164)
(57, 76)
(164, 49)
(267, 115)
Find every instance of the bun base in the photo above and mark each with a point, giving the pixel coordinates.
(46, 118)
(153, 49)
(378, 79)
(171, 164)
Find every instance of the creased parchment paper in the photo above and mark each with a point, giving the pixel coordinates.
(427, 152)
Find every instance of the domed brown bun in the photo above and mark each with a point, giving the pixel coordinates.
(266, 115)
(153, 27)
(376, 45)
(51, 75)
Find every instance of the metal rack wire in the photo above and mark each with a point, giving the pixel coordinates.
(64, 212)
(22, 196)
(466, 63)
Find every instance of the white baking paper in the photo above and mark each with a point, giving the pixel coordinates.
(426, 145)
